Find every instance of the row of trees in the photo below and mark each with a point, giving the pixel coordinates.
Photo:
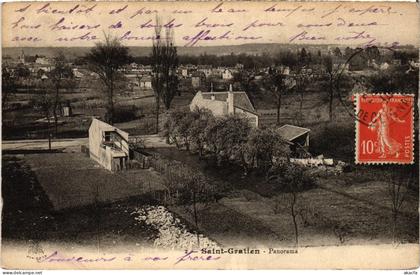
(229, 138)
(281, 57)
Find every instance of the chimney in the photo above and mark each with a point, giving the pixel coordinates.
(231, 109)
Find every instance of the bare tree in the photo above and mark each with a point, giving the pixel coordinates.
(277, 83)
(191, 190)
(398, 181)
(44, 102)
(164, 64)
(292, 179)
(106, 59)
(60, 72)
(303, 78)
(8, 84)
(331, 74)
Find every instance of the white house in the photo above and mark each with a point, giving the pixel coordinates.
(108, 145)
(226, 103)
(42, 61)
(184, 72)
(227, 74)
(206, 70)
(384, 66)
(77, 73)
(146, 82)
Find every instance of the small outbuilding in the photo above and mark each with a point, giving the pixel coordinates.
(298, 137)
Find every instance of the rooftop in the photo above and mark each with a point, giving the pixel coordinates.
(240, 99)
(291, 132)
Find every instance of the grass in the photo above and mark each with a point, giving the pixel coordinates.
(350, 208)
(229, 227)
(73, 180)
(28, 214)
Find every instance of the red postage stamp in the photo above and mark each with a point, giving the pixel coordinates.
(384, 128)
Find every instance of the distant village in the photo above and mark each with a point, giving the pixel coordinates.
(35, 68)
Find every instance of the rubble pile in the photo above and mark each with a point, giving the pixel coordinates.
(172, 232)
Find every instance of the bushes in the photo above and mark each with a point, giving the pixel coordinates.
(183, 183)
(290, 177)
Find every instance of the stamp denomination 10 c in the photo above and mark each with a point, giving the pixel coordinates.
(384, 128)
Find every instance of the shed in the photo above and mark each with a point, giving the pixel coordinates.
(295, 135)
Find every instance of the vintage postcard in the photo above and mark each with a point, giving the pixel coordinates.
(210, 135)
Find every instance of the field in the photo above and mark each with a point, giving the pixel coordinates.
(135, 112)
(349, 208)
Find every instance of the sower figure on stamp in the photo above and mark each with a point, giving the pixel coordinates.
(380, 123)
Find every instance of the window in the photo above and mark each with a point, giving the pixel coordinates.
(106, 136)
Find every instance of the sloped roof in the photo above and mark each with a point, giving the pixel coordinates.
(291, 132)
(240, 99)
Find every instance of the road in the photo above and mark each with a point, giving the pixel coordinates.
(151, 141)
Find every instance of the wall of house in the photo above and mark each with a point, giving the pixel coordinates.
(103, 154)
(253, 118)
(96, 151)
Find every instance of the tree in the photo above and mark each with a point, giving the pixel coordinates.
(398, 180)
(263, 148)
(331, 81)
(396, 78)
(164, 63)
(197, 131)
(373, 53)
(276, 82)
(105, 59)
(303, 56)
(22, 71)
(189, 188)
(337, 52)
(319, 54)
(173, 124)
(195, 190)
(348, 52)
(183, 127)
(57, 75)
(8, 85)
(44, 102)
(303, 78)
(292, 179)
(225, 137)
